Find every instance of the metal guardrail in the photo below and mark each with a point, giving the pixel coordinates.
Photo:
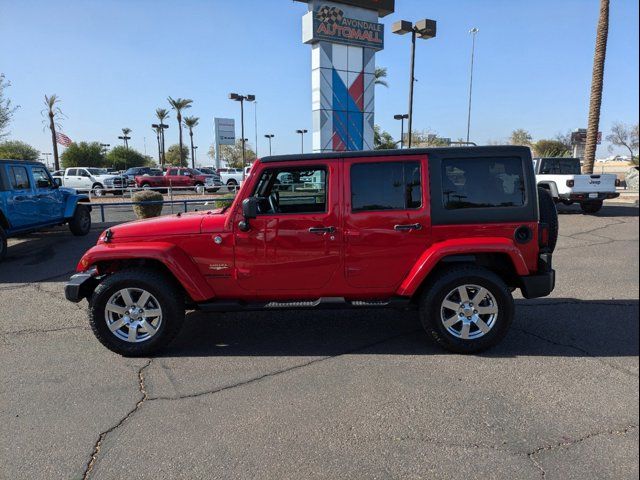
(171, 203)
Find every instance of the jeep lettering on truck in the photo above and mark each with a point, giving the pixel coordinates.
(450, 232)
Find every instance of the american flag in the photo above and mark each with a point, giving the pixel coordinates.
(62, 139)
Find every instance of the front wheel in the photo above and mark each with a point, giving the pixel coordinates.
(467, 309)
(80, 224)
(97, 190)
(591, 207)
(136, 312)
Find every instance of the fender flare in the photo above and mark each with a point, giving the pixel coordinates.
(72, 202)
(181, 265)
(436, 252)
(551, 186)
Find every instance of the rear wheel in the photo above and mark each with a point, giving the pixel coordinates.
(591, 207)
(136, 312)
(3, 244)
(232, 185)
(467, 309)
(80, 224)
(548, 215)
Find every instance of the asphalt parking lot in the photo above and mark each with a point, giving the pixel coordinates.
(328, 394)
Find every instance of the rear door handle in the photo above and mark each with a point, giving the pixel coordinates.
(406, 228)
(322, 229)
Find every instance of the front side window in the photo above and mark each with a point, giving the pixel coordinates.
(386, 186)
(19, 178)
(482, 183)
(172, 171)
(41, 177)
(292, 190)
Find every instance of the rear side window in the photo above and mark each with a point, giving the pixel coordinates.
(385, 186)
(560, 166)
(482, 183)
(19, 178)
(72, 172)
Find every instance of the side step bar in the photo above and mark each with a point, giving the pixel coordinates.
(318, 304)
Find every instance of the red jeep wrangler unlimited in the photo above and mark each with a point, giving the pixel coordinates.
(451, 231)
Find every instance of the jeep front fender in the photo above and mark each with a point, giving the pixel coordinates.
(71, 202)
(172, 257)
(465, 246)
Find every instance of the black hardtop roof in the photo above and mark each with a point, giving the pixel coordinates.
(484, 151)
(25, 162)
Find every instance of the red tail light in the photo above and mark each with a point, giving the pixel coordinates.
(570, 183)
(543, 235)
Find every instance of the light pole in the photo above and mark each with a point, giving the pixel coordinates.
(241, 99)
(302, 132)
(424, 29)
(195, 147)
(255, 123)
(401, 117)
(474, 31)
(269, 136)
(46, 158)
(125, 139)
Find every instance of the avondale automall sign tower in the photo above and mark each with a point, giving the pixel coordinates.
(344, 37)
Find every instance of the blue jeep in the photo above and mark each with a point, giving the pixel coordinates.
(30, 200)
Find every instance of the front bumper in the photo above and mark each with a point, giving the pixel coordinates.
(543, 282)
(79, 286)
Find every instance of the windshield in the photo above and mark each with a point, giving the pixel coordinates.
(97, 171)
(560, 166)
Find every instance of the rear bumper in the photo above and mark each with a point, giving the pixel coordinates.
(578, 197)
(543, 282)
(79, 286)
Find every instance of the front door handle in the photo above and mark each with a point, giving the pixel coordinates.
(322, 229)
(407, 228)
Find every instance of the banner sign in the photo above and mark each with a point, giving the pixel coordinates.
(225, 131)
(330, 24)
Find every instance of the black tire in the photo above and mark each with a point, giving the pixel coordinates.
(159, 286)
(431, 308)
(97, 190)
(3, 244)
(80, 224)
(548, 215)
(590, 207)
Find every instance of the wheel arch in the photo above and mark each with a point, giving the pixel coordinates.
(551, 186)
(4, 222)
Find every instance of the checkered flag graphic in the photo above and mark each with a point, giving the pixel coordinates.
(330, 14)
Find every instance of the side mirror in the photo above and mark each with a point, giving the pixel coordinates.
(57, 182)
(249, 211)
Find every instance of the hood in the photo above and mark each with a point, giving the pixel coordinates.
(167, 225)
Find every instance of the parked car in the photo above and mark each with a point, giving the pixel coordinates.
(563, 178)
(133, 172)
(30, 200)
(449, 231)
(180, 177)
(231, 177)
(86, 179)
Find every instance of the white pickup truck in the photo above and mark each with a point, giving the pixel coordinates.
(564, 179)
(87, 179)
(232, 177)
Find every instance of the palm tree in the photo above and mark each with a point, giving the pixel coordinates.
(191, 122)
(178, 105)
(379, 76)
(595, 102)
(53, 112)
(162, 114)
(125, 137)
(158, 132)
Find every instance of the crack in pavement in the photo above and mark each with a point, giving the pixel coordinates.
(28, 331)
(587, 353)
(98, 445)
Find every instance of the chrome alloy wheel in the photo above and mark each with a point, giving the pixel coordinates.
(469, 312)
(133, 315)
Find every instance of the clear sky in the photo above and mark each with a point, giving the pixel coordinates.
(113, 62)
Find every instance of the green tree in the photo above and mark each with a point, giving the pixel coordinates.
(191, 123)
(232, 154)
(83, 154)
(565, 139)
(595, 100)
(125, 136)
(53, 114)
(382, 140)
(179, 104)
(426, 138)
(625, 136)
(551, 148)
(15, 150)
(380, 76)
(6, 107)
(174, 158)
(121, 158)
(520, 137)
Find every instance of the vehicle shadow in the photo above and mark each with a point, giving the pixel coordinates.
(607, 210)
(45, 256)
(550, 327)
